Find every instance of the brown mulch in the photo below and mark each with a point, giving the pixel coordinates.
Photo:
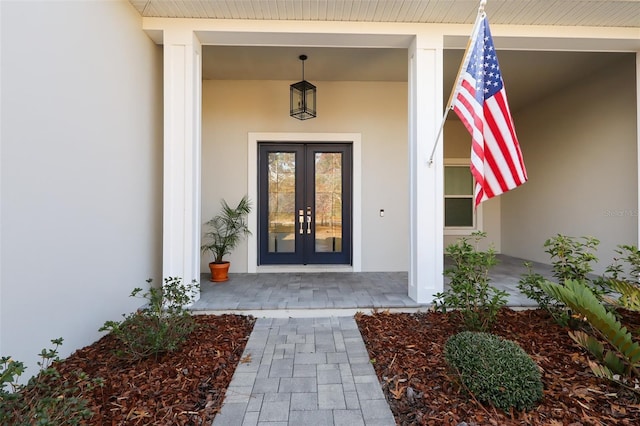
(185, 387)
(406, 352)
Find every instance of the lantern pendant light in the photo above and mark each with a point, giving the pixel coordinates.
(302, 97)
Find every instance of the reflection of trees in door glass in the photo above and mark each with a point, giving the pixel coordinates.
(282, 197)
(328, 201)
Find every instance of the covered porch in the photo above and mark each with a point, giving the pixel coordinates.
(397, 199)
(318, 293)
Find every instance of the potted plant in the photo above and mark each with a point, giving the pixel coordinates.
(225, 231)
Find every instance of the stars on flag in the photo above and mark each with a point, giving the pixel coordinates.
(484, 65)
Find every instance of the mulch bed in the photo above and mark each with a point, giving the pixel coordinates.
(406, 352)
(185, 387)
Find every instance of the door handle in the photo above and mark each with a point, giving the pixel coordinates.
(301, 220)
(308, 220)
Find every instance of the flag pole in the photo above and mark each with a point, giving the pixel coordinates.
(456, 87)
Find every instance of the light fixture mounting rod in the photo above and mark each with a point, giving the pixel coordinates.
(302, 58)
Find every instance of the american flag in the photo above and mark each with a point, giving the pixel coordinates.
(480, 101)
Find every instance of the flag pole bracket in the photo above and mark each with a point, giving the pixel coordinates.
(483, 3)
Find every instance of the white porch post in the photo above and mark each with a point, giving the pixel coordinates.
(426, 181)
(182, 135)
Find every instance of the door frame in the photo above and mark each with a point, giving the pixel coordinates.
(252, 190)
(305, 207)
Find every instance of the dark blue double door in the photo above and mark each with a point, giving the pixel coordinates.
(304, 203)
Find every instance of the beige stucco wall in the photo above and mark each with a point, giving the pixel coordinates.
(232, 109)
(377, 110)
(81, 170)
(581, 156)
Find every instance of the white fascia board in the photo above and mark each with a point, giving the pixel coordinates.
(394, 35)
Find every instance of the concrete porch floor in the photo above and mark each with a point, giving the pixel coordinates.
(332, 293)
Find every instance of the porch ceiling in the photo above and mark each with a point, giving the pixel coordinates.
(530, 73)
(600, 13)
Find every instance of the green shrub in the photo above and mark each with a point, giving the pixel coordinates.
(47, 398)
(624, 278)
(572, 258)
(161, 326)
(530, 285)
(470, 294)
(494, 370)
(626, 265)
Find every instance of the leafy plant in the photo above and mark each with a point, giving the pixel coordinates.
(48, 398)
(629, 294)
(572, 258)
(626, 266)
(623, 357)
(529, 285)
(226, 229)
(625, 278)
(494, 370)
(469, 292)
(161, 326)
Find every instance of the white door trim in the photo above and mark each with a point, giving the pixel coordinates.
(252, 190)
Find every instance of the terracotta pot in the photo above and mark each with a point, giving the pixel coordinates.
(219, 271)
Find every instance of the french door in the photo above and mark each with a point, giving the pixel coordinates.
(304, 203)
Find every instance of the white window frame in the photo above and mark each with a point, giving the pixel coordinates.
(477, 214)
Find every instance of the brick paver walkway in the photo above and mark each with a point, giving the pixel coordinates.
(305, 371)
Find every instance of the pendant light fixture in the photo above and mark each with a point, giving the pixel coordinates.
(302, 97)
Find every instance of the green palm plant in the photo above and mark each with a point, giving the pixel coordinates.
(226, 229)
(629, 294)
(624, 357)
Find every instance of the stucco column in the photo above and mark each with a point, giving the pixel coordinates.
(426, 180)
(182, 136)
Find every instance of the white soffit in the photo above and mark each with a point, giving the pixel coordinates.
(591, 13)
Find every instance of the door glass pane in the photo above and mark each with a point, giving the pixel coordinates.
(282, 197)
(458, 212)
(328, 201)
(458, 180)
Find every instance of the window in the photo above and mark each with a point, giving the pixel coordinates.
(459, 213)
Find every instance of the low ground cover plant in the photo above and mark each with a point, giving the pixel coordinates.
(494, 370)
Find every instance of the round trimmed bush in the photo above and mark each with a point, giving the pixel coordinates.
(495, 370)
